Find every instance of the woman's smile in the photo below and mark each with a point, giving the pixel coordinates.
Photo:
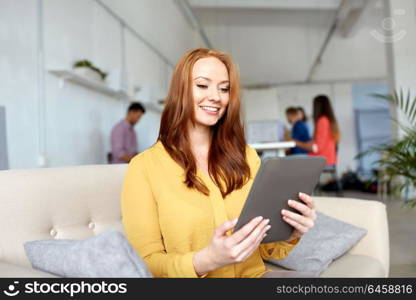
(211, 110)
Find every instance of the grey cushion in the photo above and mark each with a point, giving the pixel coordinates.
(326, 241)
(108, 254)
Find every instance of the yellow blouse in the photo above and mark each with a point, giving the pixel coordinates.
(166, 222)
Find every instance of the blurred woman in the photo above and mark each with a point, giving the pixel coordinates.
(326, 134)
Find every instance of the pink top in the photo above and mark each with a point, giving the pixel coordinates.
(123, 141)
(325, 142)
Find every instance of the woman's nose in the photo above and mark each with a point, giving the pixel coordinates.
(214, 94)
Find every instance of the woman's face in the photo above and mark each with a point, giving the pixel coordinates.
(211, 90)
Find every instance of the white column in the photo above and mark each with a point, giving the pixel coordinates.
(398, 32)
(399, 29)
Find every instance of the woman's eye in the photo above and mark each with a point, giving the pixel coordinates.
(202, 86)
(225, 90)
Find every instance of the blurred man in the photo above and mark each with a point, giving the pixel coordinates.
(300, 131)
(123, 135)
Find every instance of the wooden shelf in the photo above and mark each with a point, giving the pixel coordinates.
(92, 84)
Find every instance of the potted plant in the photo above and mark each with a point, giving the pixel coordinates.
(398, 158)
(87, 69)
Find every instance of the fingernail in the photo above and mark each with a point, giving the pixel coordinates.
(267, 221)
(268, 227)
(260, 218)
(290, 201)
(283, 211)
(301, 194)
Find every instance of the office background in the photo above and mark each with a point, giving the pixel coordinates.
(285, 51)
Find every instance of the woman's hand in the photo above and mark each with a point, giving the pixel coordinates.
(301, 222)
(230, 249)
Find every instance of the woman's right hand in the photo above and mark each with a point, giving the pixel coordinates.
(230, 249)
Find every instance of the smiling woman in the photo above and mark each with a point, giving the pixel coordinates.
(181, 197)
(204, 103)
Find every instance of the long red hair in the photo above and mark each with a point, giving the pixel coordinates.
(227, 164)
(322, 107)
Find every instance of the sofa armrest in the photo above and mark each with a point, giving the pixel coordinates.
(368, 214)
(8, 270)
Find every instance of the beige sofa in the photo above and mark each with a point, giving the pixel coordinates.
(79, 202)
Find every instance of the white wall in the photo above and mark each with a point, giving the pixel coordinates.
(260, 104)
(72, 125)
(18, 80)
(78, 120)
(302, 95)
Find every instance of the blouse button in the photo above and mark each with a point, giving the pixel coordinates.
(53, 232)
(91, 225)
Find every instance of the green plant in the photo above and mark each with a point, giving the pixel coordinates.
(88, 64)
(398, 157)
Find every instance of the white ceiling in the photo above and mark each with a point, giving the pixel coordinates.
(267, 4)
(278, 41)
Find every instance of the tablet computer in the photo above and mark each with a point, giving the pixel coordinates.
(277, 181)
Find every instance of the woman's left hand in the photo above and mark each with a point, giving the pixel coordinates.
(301, 222)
